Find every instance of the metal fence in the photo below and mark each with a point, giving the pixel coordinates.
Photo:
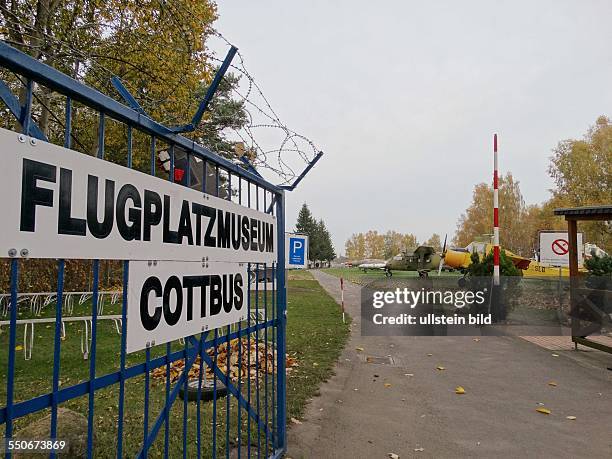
(140, 404)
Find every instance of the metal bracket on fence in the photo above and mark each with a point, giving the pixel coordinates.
(197, 118)
(49, 298)
(101, 303)
(15, 108)
(117, 323)
(7, 306)
(129, 99)
(85, 339)
(249, 166)
(28, 345)
(304, 172)
(69, 303)
(4, 302)
(35, 305)
(84, 297)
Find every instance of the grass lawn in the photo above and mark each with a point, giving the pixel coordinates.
(357, 276)
(315, 336)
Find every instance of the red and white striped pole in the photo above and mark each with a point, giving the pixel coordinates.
(342, 297)
(495, 215)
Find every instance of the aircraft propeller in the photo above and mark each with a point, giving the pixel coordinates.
(442, 257)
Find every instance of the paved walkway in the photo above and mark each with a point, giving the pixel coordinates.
(410, 408)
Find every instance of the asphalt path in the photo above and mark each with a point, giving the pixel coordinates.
(391, 397)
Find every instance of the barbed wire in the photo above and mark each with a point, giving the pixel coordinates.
(288, 157)
(267, 141)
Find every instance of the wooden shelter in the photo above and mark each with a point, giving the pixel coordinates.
(578, 299)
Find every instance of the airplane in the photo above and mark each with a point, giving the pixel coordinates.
(377, 265)
(425, 259)
(368, 263)
(422, 259)
(461, 259)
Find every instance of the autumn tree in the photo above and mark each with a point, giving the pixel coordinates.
(582, 171)
(157, 49)
(478, 218)
(355, 247)
(434, 241)
(373, 244)
(582, 175)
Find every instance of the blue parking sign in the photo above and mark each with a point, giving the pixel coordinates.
(297, 250)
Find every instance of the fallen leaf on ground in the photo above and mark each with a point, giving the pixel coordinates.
(552, 383)
(296, 421)
(459, 390)
(360, 349)
(440, 368)
(18, 348)
(571, 418)
(256, 360)
(387, 384)
(543, 410)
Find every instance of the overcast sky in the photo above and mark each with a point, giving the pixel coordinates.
(403, 97)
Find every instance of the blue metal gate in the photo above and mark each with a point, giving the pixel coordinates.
(137, 396)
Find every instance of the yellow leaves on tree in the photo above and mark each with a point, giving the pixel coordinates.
(377, 245)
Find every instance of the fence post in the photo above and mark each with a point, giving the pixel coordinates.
(281, 317)
(342, 297)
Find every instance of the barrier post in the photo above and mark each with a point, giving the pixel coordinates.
(342, 297)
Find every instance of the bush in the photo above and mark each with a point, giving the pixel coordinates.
(479, 278)
(599, 266)
(484, 267)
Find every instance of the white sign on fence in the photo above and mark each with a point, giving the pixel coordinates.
(58, 203)
(168, 300)
(296, 250)
(554, 248)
